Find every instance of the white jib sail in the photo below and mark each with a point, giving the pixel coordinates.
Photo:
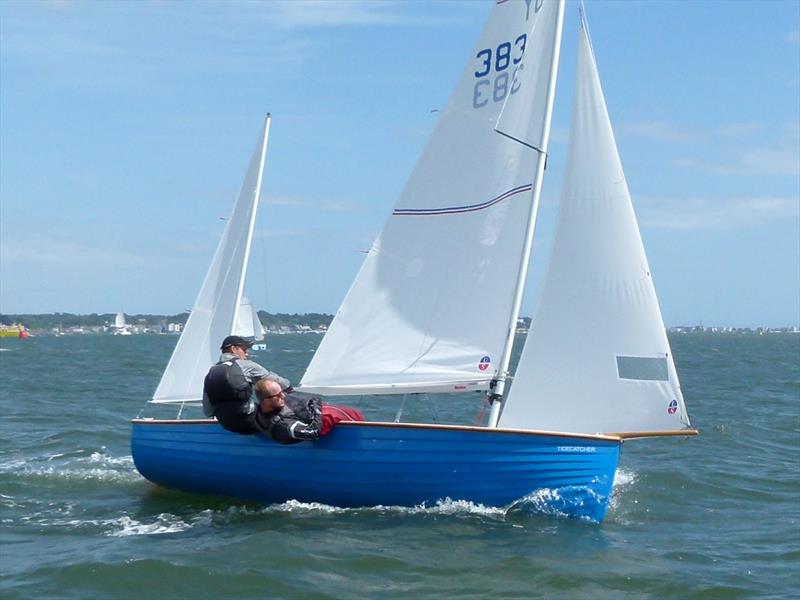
(430, 306)
(247, 322)
(215, 310)
(596, 359)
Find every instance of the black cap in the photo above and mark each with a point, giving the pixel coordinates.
(235, 340)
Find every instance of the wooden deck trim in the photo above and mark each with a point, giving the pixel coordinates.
(587, 436)
(630, 435)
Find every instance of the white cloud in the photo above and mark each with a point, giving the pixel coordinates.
(738, 129)
(714, 213)
(334, 206)
(659, 131)
(672, 133)
(291, 14)
(793, 37)
(39, 249)
(284, 201)
(752, 161)
(771, 162)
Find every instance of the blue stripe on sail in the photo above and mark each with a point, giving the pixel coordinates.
(450, 210)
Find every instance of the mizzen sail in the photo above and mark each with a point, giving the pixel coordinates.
(596, 359)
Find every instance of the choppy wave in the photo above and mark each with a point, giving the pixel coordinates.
(79, 464)
(162, 523)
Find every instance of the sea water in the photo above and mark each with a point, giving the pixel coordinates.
(717, 516)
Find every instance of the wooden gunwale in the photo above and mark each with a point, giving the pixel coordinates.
(498, 430)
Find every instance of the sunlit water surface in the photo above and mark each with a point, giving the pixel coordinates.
(716, 516)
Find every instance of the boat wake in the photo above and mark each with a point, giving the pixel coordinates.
(442, 507)
(98, 466)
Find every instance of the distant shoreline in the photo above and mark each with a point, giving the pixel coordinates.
(71, 323)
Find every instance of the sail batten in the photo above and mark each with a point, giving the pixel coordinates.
(433, 298)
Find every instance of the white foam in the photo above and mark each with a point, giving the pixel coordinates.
(296, 506)
(97, 466)
(164, 523)
(452, 507)
(442, 507)
(105, 459)
(623, 478)
(9, 501)
(84, 474)
(623, 485)
(13, 465)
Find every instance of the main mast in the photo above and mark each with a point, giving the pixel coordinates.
(522, 274)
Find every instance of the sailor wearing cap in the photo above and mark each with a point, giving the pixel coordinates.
(228, 387)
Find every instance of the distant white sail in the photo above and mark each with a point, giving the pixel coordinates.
(247, 323)
(596, 359)
(119, 320)
(430, 307)
(215, 310)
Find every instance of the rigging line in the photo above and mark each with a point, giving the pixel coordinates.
(434, 404)
(531, 146)
(526, 144)
(481, 416)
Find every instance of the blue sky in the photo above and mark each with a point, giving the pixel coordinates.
(126, 129)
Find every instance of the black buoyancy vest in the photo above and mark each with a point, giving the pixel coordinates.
(226, 383)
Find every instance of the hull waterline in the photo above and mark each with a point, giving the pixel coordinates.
(372, 464)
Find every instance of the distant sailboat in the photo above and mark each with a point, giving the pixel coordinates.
(434, 309)
(248, 324)
(120, 327)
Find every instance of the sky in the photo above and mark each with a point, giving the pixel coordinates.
(126, 129)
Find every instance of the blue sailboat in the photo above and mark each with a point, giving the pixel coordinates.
(434, 310)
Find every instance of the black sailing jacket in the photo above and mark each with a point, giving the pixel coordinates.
(300, 419)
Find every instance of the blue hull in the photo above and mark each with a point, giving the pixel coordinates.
(370, 464)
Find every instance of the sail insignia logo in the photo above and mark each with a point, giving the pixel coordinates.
(484, 363)
(673, 407)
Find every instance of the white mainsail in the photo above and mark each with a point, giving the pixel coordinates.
(247, 323)
(596, 359)
(430, 307)
(215, 311)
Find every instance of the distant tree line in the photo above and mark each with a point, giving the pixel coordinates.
(65, 320)
(313, 320)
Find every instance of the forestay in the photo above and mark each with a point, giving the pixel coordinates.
(429, 309)
(215, 310)
(597, 357)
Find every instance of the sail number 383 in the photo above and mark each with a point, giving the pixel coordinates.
(498, 70)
